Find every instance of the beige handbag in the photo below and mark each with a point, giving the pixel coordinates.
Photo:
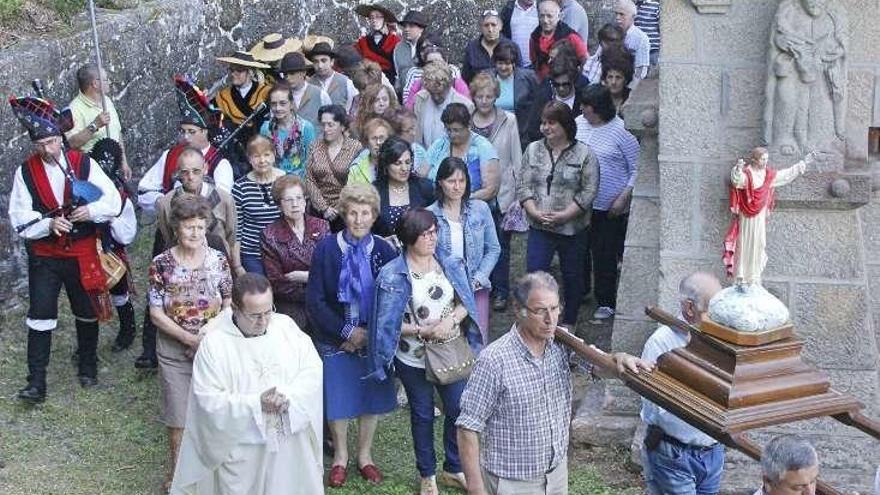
(446, 361)
(114, 267)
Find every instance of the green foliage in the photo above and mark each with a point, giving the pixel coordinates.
(9, 9)
(66, 8)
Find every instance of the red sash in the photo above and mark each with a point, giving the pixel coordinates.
(748, 202)
(84, 249)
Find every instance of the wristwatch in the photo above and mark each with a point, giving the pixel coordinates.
(93, 128)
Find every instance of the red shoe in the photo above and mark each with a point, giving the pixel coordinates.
(337, 476)
(371, 473)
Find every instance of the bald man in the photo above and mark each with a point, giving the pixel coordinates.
(636, 41)
(677, 457)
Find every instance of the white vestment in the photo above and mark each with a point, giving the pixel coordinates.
(751, 256)
(230, 446)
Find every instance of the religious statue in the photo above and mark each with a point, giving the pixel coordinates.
(751, 197)
(807, 73)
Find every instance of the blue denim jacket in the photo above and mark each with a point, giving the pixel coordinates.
(393, 292)
(481, 248)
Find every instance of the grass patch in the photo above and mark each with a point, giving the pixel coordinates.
(108, 440)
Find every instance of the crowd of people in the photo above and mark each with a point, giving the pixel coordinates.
(339, 218)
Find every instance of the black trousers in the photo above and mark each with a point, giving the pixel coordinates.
(607, 236)
(46, 277)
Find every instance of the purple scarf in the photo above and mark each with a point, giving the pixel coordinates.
(356, 280)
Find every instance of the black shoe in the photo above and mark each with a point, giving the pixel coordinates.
(87, 381)
(499, 303)
(144, 362)
(119, 346)
(32, 394)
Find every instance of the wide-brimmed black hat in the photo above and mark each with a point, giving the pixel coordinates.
(318, 45)
(415, 17)
(294, 62)
(365, 8)
(243, 59)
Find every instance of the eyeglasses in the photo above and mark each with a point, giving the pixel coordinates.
(290, 201)
(184, 172)
(544, 313)
(257, 316)
(561, 84)
(432, 232)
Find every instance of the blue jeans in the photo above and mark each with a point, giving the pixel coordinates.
(676, 470)
(420, 393)
(501, 273)
(540, 248)
(252, 263)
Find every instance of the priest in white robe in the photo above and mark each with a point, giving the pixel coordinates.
(254, 425)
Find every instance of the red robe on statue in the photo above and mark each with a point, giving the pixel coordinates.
(749, 202)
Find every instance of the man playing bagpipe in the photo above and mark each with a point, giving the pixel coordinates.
(57, 199)
(198, 118)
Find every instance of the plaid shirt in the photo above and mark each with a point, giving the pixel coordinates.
(521, 406)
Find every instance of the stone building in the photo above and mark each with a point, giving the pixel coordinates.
(705, 111)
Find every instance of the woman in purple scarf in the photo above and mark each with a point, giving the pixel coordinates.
(339, 299)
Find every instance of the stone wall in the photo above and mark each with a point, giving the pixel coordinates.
(823, 246)
(143, 47)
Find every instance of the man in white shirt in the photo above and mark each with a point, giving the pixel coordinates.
(519, 18)
(677, 457)
(414, 24)
(789, 466)
(197, 116)
(254, 423)
(57, 199)
(337, 85)
(636, 41)
(307, 97)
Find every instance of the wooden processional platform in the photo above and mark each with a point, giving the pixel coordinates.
(726, 382)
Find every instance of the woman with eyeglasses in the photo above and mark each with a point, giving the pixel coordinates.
(363, 168)
(429, 49)
(399, 188)
(475, 150)
(189, 284)
(290, 134)
(329, 161)
(287, 246)
(423, 295)
(339, 300)
(560, 177)
(253, 202)
(466, 230)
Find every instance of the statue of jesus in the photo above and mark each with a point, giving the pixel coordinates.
(752, 187)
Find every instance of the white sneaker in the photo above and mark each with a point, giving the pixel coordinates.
(603, 313)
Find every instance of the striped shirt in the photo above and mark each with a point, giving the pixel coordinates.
(522, 23)
(256, 209)
(521, 407)
(617, 152)
(648, 20)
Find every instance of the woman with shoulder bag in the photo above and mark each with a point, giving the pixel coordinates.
(423, 324)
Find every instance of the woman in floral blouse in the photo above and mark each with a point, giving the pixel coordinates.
(287, 246)
(189, 284)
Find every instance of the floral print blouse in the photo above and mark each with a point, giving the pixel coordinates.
(190, 297)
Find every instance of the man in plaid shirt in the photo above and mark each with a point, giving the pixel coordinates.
(515, 411)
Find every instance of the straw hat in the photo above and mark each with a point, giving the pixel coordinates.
(274, 46)
(244, 59)
(364, 9)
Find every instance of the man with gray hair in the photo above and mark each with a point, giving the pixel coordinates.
(677, 457)
(789, 466)
(513, 428)
(636, 41)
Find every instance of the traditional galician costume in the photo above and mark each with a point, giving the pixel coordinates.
(161, 178)
(378, 44)
(239, 101)
(58, 197)
(118, 233)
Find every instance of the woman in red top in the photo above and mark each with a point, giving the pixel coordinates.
(379, 42)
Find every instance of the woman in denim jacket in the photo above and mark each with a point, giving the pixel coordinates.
(466, 230)
(423, 294)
